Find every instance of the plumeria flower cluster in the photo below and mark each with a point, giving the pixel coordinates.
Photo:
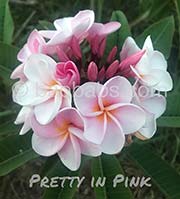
(76, 100)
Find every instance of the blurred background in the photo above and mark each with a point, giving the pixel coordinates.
(158, 158)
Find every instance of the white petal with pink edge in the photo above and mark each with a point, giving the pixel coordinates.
(95, 128)
(70, 154)
(46, 111)
(40, 68)
(155, 104)
(149, 128)
(86, 98)
(29, 94)
(129, 48)
(47, 146)
(116, 90)
(130, 117)
(114, 138)
(90, 149)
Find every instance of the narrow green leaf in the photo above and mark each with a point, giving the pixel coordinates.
(117, 38)
(5, 75)
(165, 121)
(8, 55)
(108, 166)
(9, 128)
(6, 22)
(161, 173)
(161, 34)
(46, 25)
(14, 152)
(6, 113)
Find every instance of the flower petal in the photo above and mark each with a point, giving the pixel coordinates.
(47, 146)
(149, 128)
(47, 131)
(165, 83)
(129, 48)
(86, 98)
(82, 22)
(18, 73)
(116, 90)
(29, 94)
(23, 114)
(25, 128)
(158, 61)
(95, 128)
(70, 154)
(143, 66)
(24, 53)
(70, 115)
(148, 44)
(155, 104)
(130, 117)
(40, 68)
(114, 138)
(90, 149)
(51, 106)
(47, 33)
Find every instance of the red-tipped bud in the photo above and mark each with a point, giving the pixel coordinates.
(76, 47)
(101, 74)
(112, 69)
(112, 55)
(102, 47)
(92, 71)
(62, 55)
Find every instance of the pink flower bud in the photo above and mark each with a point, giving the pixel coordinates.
(101, 74)
(112, 69)
(76, 47)
(112, 54)
(92, 72)
(102, 47)
(62, 55)
(67, 74)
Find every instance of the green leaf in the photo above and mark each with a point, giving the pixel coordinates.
(6, 113)
(173, 99)
(161, 34)
(46, 25)
(157, 8)
(117, 38)
(165, 121)
(8, 55)
(108, 166)
(6, 22)
(15, 151)
(161, 173)
(5, 75)
(9, 128)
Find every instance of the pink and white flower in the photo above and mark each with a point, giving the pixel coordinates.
(42, 90)
(108, 112)
(151, 69)
(69, 27)
(64, 136)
